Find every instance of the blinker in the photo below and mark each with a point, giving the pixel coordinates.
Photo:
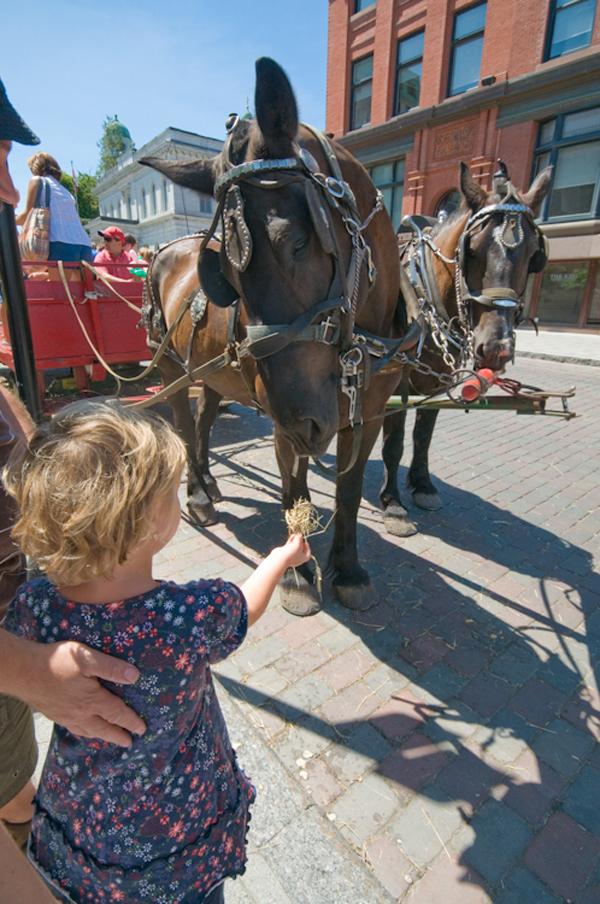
(320, 219)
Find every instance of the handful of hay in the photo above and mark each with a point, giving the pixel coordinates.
(304, 519)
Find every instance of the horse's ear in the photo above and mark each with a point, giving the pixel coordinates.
(473, 193)
(216, 288)
(275, 105)
(197, 174)
(538, 190)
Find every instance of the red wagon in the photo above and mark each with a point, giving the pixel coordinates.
(79, 320)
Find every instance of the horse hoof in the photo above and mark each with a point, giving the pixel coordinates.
(299, 597)
(214, 493)
(431, 502)
(397, 522)
(359, 597)
(203, 514)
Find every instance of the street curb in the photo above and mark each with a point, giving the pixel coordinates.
(562, 359)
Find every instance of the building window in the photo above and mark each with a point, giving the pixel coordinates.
(467, 45)
(144, 205)
(360, 103)
(408, 73)
(571, 143)
(165, 189)
(362, 4)
(570, 26)
(562, 292)
(447, 204)
(389, 179)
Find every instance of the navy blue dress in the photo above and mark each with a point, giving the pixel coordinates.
(166, 820)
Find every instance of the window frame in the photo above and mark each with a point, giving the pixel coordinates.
(401, 66)
(552, 13)
(394, 184)
(459, 42)
(553, 148)
(351, 126)
(359, 9)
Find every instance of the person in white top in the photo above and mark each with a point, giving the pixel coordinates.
(68, 239)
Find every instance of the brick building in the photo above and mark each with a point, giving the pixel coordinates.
(415, 86)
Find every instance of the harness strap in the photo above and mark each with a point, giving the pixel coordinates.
(268, 339)
(187, 379)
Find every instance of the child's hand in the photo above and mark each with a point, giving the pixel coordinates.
(295, 552)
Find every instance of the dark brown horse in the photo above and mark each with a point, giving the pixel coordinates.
(300, 249)
(495, 243)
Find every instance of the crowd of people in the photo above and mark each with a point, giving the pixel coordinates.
(141, 797)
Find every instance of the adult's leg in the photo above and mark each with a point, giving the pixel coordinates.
(18, 748)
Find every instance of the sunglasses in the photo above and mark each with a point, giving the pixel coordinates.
(109, 239)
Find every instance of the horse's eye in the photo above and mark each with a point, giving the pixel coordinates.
(299, 246)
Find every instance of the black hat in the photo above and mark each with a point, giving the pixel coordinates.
(12, 127)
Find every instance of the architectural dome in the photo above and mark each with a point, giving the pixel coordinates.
(117, 128)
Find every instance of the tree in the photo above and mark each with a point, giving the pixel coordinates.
(115, 139)
(87, 202)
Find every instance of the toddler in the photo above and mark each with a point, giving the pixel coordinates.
(165, 821)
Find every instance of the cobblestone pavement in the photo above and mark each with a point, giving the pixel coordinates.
(443, 746)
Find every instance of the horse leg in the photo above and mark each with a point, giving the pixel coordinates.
(395, 516)
(351, 583)
(418, 479)
(207, 409)
(199, 503)
(298, 590)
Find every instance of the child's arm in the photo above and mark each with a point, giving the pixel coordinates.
(259, 587)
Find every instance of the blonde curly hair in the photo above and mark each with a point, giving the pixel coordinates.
(86, 485)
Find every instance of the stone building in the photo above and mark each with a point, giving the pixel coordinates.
(141, 201)
(415, 86)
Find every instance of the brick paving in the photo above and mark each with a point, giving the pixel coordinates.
(443, 746)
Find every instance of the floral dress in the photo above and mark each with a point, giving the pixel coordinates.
(164, 821)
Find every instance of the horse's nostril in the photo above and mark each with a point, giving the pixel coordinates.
(479, 350)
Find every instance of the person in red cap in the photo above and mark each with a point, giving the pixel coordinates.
(114, 255)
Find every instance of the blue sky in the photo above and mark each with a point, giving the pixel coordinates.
(67, 64)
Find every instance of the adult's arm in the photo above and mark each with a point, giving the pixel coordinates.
(61, 681)
(32, 190)
(18, 880)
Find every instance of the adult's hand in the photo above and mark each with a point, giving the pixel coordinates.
(61, 681)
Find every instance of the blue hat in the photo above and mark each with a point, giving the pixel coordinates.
(12, 127)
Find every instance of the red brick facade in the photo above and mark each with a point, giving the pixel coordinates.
(499, 118)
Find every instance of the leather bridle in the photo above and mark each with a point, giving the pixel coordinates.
(330, 321)
(416, 260)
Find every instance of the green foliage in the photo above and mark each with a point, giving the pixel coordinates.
(115, 139)
(87, 202)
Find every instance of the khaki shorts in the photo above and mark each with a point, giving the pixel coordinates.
(18, 747)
